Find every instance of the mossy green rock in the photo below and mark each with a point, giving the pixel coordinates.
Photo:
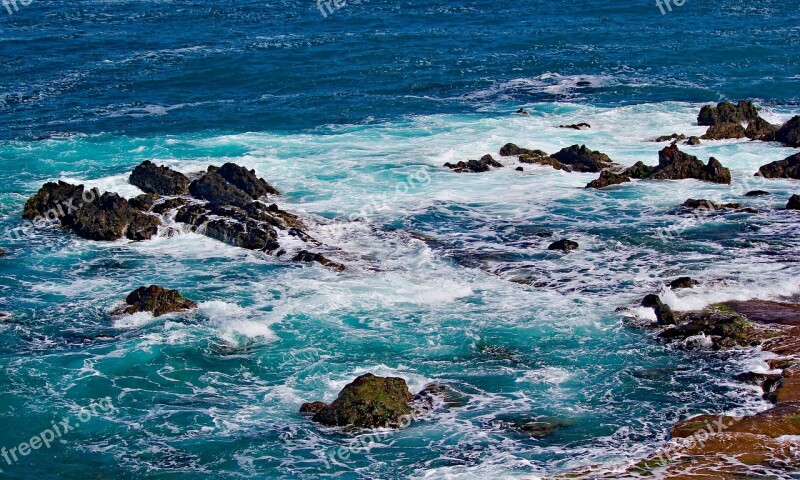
(368, 402)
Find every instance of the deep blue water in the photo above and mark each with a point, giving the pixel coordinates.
(340, 113)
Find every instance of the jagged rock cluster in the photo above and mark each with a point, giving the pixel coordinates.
(224, 203)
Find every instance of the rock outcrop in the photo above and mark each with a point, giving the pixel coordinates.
(475, 166)
(564, 245)
(727, 112)
(676, 165)
(760, 129)
(156, 300)
(89, 214)
(367, 402)
(724, 131)
(607, 179)
(794, 203)
(683, 282)
(581, 159)
(789, 133)
(703, 204)
(786, 168)
(159, 180)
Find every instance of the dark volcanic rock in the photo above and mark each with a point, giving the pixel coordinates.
(312, 407)
(786, 168)
(726, 112)
(475, 166)
(607, 179)
(723, 131)
(250, 235)
(308, 257)
(169, 204)
(581, 159)
(511, 150)
(3, 252)
(725, 330)
(683, 282)
(789, 133)
(676, 165)
(693, 141)
(576, 126)
(89, 214)
(194, 214)
(756, 193)
(214, 188)
(519, 169)
(159, 180)
(664, 314)
(143, 202)
(670, 138)
(564, 245)
(537, 159)
(246, 180)
(760, 129)
(794, 203)
(368, 402)
(156, 300)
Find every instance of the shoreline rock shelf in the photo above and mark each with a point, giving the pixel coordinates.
(225, 203)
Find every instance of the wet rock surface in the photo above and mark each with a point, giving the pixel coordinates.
(608, 179)
(723, 131)
(786, 168)
(156, 300)
(676, 165)
(564, 245)
(727, 112)
(794, 203)
(159, 180)
(789, 133)
(486, 163)
(581, 159)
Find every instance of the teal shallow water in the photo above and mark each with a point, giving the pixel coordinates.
(215, 393)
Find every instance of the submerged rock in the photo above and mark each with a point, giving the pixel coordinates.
(756, 193)
(676, 165)
(582, 159)
(159, 180)
(564, 245)
(308, 257)
(607, 179)
(727, 112)
(368, 402)
(475, 166)
(789, 133)
(794, 203)
(576, 126)
(156, 300)
(704, 204)
(670, 138)
(789, 167)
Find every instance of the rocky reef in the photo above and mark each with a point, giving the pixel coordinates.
(156, 300)
(676, 165)
(226, 203)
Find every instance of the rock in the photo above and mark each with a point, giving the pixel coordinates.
(564, 245)
(521, 111)
(54, 200)
(756, 193)
(159, 180)
(215, 189)
(723, 131)
(683, 282)
(250, 235)
(519, 169)
(676, 165)
(725, 330)
(368, 402)
(156, 300)
(511, 150)
(786, 168)
(193, 214)
(726, 112)
(693, 141)
(577, 126)
(475, 166)
(794, 203)
(246, 180)
(670, 138)
(760, 129)
(169, 204)
(607, 179)
(664, 314)
(312, 407)
(538, 159)
(143, 202)
(789, 133)
(703, 204)
(581, 159)
(142, 227)
(306, 256)
(3, 252)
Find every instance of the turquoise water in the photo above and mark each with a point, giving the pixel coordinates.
(351, 117)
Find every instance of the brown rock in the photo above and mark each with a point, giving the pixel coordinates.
(724, 131)
(726, 112)
(160, 180)
(368, 402)
(157, 300)
(607, 179)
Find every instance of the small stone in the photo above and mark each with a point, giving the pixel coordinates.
(683, 282)
(564, 245)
